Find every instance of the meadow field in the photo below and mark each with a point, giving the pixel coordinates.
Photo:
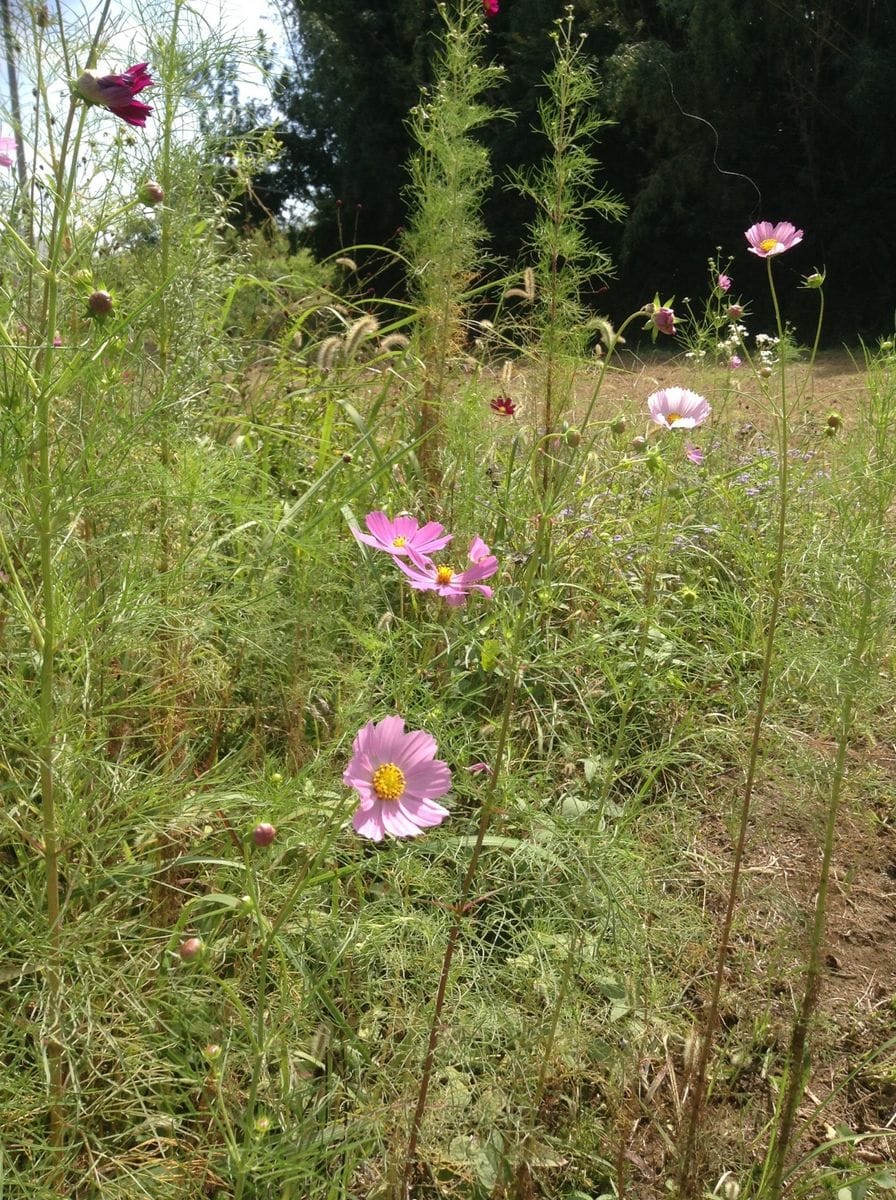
(448, 739)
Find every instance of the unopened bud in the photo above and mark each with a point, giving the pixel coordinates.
(151, 193)
(886, 346)
(765, 372)
(815, 280)
(735, 311)
(619, 426)
(262, 1124)
(639, 443)
(263, 834)
(190, 948)
(573, 437)
(99, 304)
(835, 420)
(212, 1052)
(276, 777)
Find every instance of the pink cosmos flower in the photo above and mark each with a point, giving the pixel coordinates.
(734, 362)
(398, 778)
(117, 92)
(403, 536)
(664, 319)
(766, 239)
(491, 7)
(693, 454)
(678, 408)
(7, 151)
(723, 283)
(480, 768)
(454, 586)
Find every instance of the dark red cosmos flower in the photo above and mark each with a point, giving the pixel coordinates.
(503, 405)
(117, 92)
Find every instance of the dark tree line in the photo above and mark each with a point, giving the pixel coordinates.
(726, 112)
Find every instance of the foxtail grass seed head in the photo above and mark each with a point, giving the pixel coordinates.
(358, 332)
(693, 1044)
(190, 948)
(731, 1189)
(151, 193)
(327, 352)
(264, 833)
(42, 17)
(348, 263)
(394, 342)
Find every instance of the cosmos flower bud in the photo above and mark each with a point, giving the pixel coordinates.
(151, 193)
(190, 948)
(664, 319)
(815, 280)
(765, 372)
(573, 437)
(212, 1052)
(263, 834)
(735, 311)
(639, 443)
(619, 426)
(99, 304)
(835, 420)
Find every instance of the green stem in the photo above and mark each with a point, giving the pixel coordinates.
(687, 1164)
(461, 909)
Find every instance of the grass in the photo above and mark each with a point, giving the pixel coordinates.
(217, 637)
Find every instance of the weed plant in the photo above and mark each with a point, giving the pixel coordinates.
(212, 985)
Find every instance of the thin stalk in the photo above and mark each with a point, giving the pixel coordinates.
(858, 669)
(687, 1167)
(462, 907)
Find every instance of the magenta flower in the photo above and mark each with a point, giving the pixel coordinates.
(664, 319)
(403, 536)
(693, 454)
(398, 778)
(734, 362)
(723, 283)
(503, 405)
(7, 151)
(678, 408)
(454, 586)
(766, 239)
(117, 92)
(490, 7)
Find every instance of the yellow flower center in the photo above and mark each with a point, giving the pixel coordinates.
(399, 542)
(388, 781)
(670, 417)
(444, 575)
(768, 245)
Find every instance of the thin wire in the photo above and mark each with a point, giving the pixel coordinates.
(715, 154)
